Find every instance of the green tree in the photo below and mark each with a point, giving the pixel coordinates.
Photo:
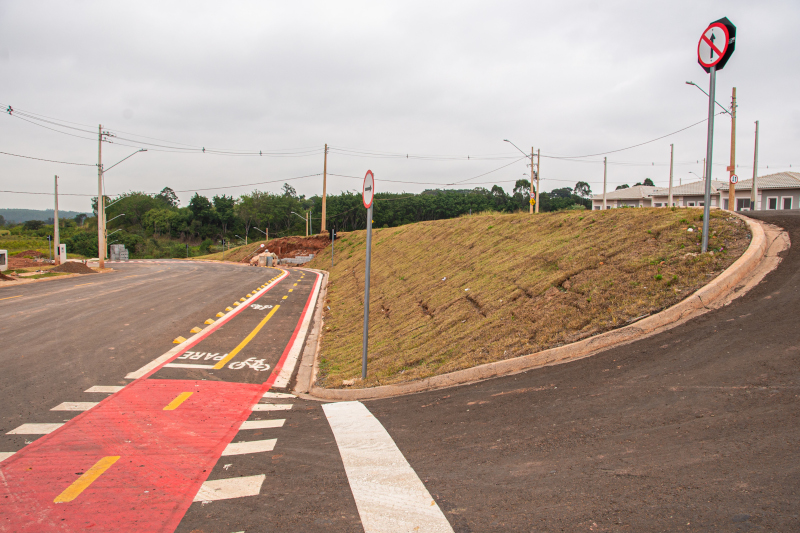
(224, 206)
(168, 196)
(582, 189)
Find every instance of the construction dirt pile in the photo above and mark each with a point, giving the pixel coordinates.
(295, 246)
(3, 277)
(26, 259)
(73, 267)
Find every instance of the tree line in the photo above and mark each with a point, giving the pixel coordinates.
(156, 225)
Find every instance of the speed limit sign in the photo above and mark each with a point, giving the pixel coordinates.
(734, 179)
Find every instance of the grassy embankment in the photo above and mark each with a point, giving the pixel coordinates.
(452, 294)
(234, 254)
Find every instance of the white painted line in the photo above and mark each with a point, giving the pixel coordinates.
(186, 365)
(272, 407)
(262, 424)
(389, 495)
(155, 363)
(105, 388)
(5, 455)
(74, 406)
(35, 429)
(278, 395)
(225, 489)
(253, 446)
(282, 381)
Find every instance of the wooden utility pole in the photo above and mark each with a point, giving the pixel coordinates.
(605, 175)
(754, 188)
(55, 226)
(532, 191)
(101, 205)
(671, 153)
(538, 168)
(732, 168)
(324, 189)
(306, 224)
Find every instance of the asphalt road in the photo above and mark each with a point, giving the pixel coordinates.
(694, 429)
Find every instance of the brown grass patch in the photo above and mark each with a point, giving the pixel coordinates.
(452, 294)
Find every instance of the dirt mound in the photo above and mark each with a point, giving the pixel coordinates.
(73, 267)
(293, 246)
(3, 277)
(32, 254)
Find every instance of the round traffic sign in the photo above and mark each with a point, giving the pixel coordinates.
(713, 45)
(734, 179)
(368, 192)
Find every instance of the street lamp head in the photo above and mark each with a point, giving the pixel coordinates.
(689, 83)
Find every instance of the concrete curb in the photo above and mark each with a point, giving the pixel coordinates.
(307, 369)
(703, 300)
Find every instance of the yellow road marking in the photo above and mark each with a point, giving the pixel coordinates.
(209, 321)
(82, 284)
(295, 285)
(290, 290)
(182, 397)
(246, 340)
(195, 330)
(178, 340)
(134, 276)
(284, 297)
(9, 297)
(220, 315)
(229, 308)
(83, 482)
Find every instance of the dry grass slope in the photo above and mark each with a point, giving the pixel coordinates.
(452, 294)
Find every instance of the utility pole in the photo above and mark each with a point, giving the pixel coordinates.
(605, 175)
(671, 153)
(306, 224)
(324, 189)
(754, 188)
(538, 169)
(732, 168)
(55, 225)
(101, 207)
(532, 173)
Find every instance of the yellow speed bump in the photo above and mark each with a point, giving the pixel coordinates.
(178, 340)
(209, 321)
(229, 308)
(242, 299)
(220, 315)
(235, 304)
(195, 330)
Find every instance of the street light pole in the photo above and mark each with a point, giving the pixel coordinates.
(101, 231)
(56, 240)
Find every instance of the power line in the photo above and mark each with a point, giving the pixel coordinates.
(50, 160)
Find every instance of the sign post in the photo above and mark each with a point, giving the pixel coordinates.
(368, 195)
(713, 51)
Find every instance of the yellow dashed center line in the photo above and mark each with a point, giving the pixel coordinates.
(182, 397)
(9, 297)
(82, 284)
(83, 482)
(290, 290)
(284, 297)
(246, 340)
(295, 285)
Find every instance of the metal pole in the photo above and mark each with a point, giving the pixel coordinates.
(754, 188)
(101, 208)
(531, 205)
(605, 175)
(732, 167)
(306, 224)
(709, 151)
(57, 240)
(324, 189)
(671, 159)
(366, 296)
(538, 172)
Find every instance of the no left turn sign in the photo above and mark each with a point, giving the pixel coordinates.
(716, 44)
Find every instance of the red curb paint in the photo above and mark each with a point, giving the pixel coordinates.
(165, 456)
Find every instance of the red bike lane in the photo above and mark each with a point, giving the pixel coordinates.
(135, 461)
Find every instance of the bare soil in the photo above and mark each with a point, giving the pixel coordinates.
(27, 259)
(73, 267)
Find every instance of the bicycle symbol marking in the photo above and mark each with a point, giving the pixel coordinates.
(255, 364)
(260, 307)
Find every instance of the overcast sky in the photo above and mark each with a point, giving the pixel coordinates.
(417, 78)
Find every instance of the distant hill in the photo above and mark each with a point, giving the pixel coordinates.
(21, 215)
